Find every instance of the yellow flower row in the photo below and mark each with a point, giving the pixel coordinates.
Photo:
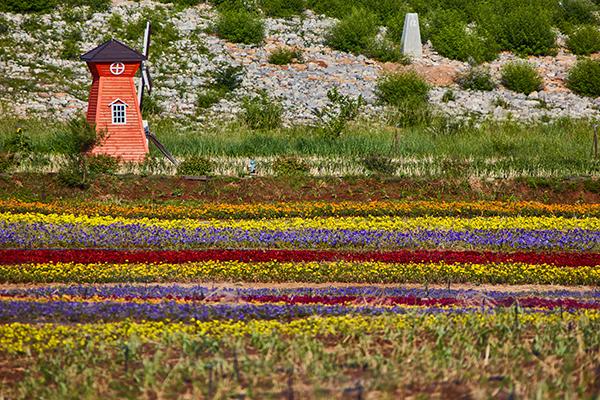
(20, 337)
(351, 223)
(307, 209)
(338, 271)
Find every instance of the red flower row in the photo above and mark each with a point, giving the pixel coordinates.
(88, 256)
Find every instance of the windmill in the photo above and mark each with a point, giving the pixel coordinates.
(145, 82)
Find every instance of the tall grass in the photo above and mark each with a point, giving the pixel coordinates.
(508, 147)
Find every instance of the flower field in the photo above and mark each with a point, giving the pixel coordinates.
(345, 300)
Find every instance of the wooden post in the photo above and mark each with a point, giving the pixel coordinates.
(596, 141)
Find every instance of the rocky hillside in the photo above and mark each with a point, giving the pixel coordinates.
(40, 73)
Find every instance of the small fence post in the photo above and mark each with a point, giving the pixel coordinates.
(595, 141)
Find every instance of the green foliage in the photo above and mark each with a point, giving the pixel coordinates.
(282, 8)
(209, 97)
(6, 162)
(585, 40)
(385, 50)
(285, 55)
(377, 164)
(579, 11)
(71, 49)
(228, 77)
(240, 26)
(260, 112)
(45, 6)
(102, 164)
(521, 77)
(457, 42)
(79, 139)
(584, 78)
(290, 166)
(400, 88)
(195, 166)
(151, 106)
(27, 6)
(448, 96)
(354, 32)
(337, 113)
(476, 79)
(526, 30)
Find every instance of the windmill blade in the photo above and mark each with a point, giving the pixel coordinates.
(147, 33)
(147, 79)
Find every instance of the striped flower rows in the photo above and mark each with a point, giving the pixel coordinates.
(304, 209)
(306, 243)
(20, 337)
(273, 271)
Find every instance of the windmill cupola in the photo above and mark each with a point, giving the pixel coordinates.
(114, 104)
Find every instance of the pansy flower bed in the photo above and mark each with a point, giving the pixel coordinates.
(233, 285)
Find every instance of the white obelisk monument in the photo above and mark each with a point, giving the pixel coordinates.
(411, 36)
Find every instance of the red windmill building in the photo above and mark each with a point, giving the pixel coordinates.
(114, 106)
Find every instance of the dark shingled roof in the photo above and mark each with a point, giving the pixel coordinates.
(113, 51)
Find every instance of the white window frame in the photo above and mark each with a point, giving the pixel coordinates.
(118, 112)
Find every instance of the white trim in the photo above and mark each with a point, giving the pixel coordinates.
(119, 113)
(118, 101)
(117, 68)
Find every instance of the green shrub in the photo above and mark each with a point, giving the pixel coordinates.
(228, 78)
(261, 112)
(585, 40)
(102, 164)
(400, 88)
(151, 106)
(6, 162)
(377, 164)
(448, 96)
(354, 32)
(526, 30)
(476, 79)
(521, 77)
(27, 6)
(282, 8)
(195, 166)
(240, 26)
(584, 78)
(337, 113)
(385, 50)
(579, 11)
(284, 55)
(209, 97)
(458, 43)
(290, 166)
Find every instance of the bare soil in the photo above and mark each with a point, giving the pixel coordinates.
(159, 189)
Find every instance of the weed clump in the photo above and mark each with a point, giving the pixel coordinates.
(400, 88)
(476, 79)
(521, 77)
(239, 25)
(379, 165)
(526, 30)
(337, 113)
(290, 166)
(195, 166)
(261, 112)
(283, 56)
(584, 78)
(353, 32)
(282, 8)
(585, 40)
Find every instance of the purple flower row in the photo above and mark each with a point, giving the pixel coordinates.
(71, 311)
(141, 236)
(198, 292)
